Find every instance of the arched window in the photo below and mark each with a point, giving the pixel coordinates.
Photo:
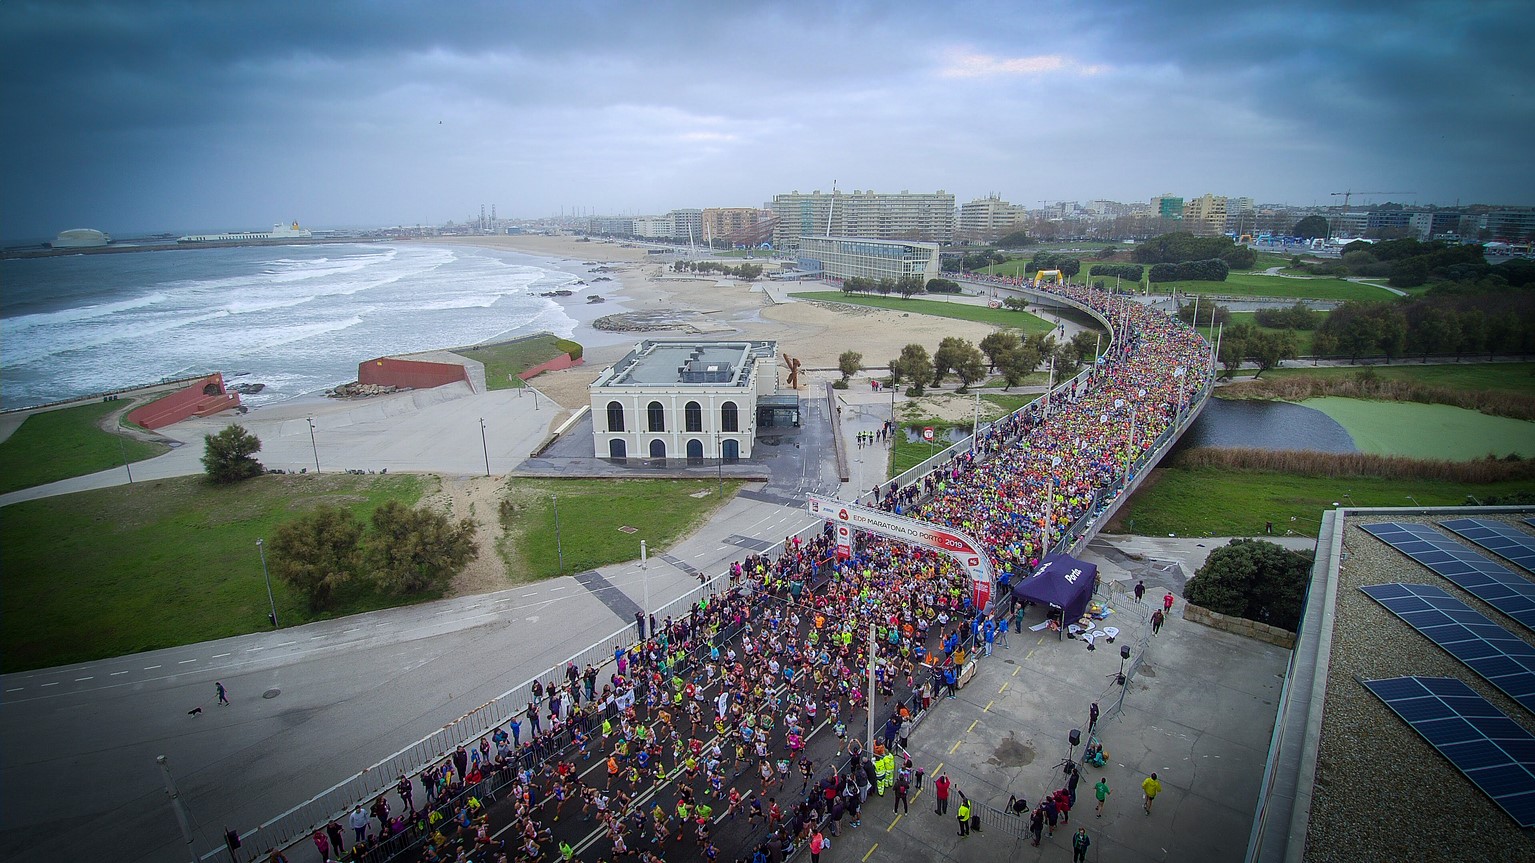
(693, 417)
(695, 451)
(730, 450)
(728, 418)
(658, 448)
(615, 417)
(617, 449)
(656, 416)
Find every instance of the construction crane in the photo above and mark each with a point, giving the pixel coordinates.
(1349, 193)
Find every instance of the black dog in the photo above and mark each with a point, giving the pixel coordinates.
(196, 711)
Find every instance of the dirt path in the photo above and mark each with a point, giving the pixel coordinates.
(478, 499)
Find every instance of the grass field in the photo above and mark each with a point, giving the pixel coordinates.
(503, 362)
(1427, 431)
(1208, 502)
(591, 511)
(161, 563)
(55, 445)
(1517, 378)
(1303, 338)
(1241, 284)
(1009, 402)
(937, 308)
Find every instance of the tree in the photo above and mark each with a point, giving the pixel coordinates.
(915, 365)
(969, 365)
(318, 553)
(1253, 579)
(1234, 343)
(1015, 240)
(942, 286)
(1310, 228)
(849, 363)
(909, 285)
(1085, 344)
(416, 550)
(1408, 273)
(998, 343)
(1270, 349)
(229, 455)
(1018, 364)
(948, 355)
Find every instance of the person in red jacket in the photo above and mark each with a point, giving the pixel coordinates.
(941, 791)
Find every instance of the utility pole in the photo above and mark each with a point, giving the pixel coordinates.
(261, 550)
(121, 447)
(177, 806)
(484, 446)
(872, 648)
(559, 545)
(314, 446)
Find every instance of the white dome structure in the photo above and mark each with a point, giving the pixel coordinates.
(81, 238)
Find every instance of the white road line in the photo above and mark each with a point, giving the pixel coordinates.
(219, 655)
(253, 649)
(54, 683)
(185, 661)
(561, 587)
(534, 593)
(115, 673)
(448, 611)
(150, 667)
(286, 643)
(313, 637)
(345, 631)
(17, 689)
(79, 679)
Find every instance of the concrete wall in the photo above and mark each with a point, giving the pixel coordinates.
(202, 397)
(416, 374)
(1240, 626)
(563, 361)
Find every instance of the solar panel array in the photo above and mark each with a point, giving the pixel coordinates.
(1492, 750)
(1498, 537)
(1491, 582)
(1502, 658)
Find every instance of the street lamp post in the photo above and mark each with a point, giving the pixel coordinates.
(559, 545)
(484, 446)
(261, 549)
(124, 450)
(312, 445)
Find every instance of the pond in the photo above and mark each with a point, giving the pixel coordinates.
(1266, 425)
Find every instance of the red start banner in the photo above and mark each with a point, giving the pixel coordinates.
(848, 517)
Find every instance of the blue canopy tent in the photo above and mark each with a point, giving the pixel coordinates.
(1060, 580)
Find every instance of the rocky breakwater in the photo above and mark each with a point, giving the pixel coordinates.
(355, 390)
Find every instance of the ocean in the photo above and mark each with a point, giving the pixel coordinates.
(295, 318)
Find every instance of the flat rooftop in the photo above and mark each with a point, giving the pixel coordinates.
(691, 363)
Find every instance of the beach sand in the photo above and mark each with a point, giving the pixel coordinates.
(814, 333)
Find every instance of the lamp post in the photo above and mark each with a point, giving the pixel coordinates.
(261, 550)
(176, 805)
(645, 575)
(559, 546)
(484, 446)
(121, 447)
(312, 445)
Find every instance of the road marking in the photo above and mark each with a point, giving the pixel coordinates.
(17, 689)
(313, 637)
(150, 667)
(448, 611)
(1003, 689)
(1018, 669)
(534, 593)
(871, 851)
(954, 747)
(893, 823)
(972, 726)
(219, 655)
(253, 649)
(986, 709)
(938, 769)
(54, 683)
(185, 661)
(115, 673)
(1028, 656)
(345, 631)
(561, 587)
(286, 643)
(79, 679)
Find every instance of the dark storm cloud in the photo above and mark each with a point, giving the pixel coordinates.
(211, 115)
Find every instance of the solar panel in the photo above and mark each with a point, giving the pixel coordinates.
(1493, 583)
(1502, 658)
(1492, 750)
(1498, 537)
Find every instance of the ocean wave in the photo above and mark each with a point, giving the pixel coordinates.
(14, 327)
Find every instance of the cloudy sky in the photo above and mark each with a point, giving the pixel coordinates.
(137, 116)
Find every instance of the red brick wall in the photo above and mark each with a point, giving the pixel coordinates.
(388, 371)
(184, 403)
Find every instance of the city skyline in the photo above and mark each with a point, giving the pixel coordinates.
(176, 117)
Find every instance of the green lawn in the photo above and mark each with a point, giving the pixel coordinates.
(1303, 338)
(504, 361)
(937, 308)
(1212, 502)
(1010, 402)
(1514, 378)
(1427, 431)
(591, 511)
(1258, 285)
(161, 563)
(55, 445)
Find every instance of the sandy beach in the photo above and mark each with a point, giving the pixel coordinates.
(708, 307)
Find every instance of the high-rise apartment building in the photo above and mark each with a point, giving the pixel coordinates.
(732, 223)
(988, 218)
(1168, 206)
(923, 216)
(1205, 216)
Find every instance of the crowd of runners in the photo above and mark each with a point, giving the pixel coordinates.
(746, 714)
